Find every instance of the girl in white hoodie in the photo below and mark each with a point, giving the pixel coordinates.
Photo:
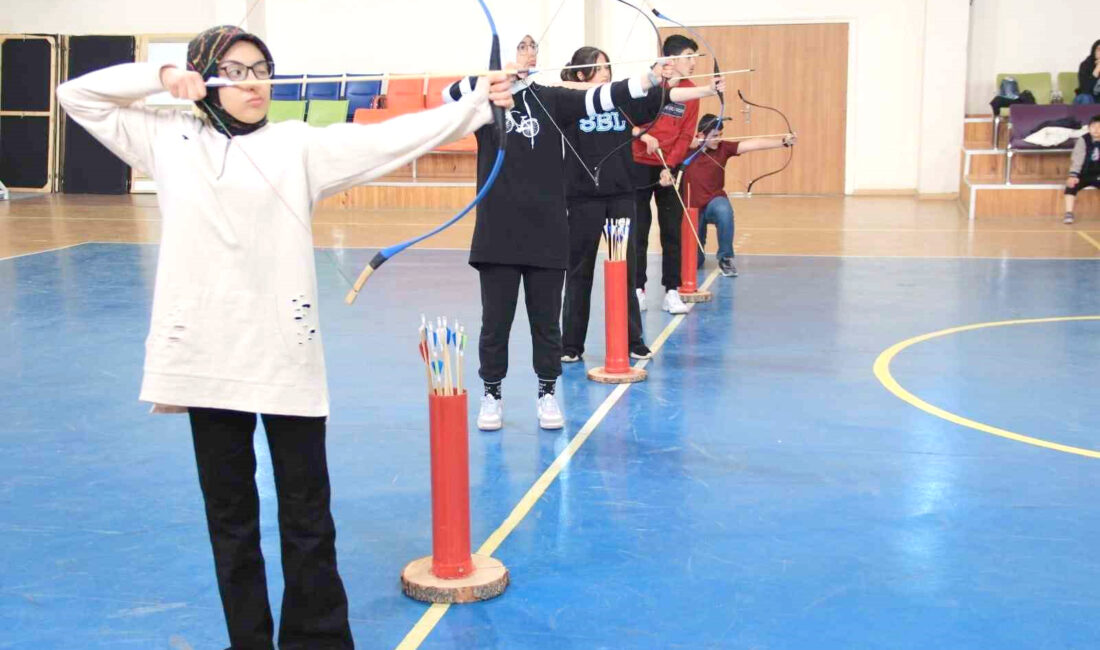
(235, 328)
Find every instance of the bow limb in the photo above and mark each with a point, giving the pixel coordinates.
(714, 59)
(664, 95)
(594, 173)
(790, 153)
(501, 132)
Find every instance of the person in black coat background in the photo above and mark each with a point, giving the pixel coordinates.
(1088, 78)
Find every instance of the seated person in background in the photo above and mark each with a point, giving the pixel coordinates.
(1084, 166)
(1088, 78)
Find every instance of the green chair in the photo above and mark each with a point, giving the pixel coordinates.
(283, 110)
(1040, 85)
(1067, 83)
(323, 112)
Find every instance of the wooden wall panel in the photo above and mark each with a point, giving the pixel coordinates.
(816, 55)
(987, 168)
(443, 167)
(978, 135)
(803, 71)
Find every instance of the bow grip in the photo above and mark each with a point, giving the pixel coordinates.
(498, 112)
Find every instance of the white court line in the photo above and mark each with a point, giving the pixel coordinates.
(48, 250)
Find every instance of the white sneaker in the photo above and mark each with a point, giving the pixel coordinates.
(491, 415)
(673, 304)
(550, 416)
(641, 299)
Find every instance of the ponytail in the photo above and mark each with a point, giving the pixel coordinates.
(585, 56)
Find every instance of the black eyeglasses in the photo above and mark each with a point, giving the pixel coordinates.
(236, 71)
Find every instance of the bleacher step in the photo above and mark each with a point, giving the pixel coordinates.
(1039, 200)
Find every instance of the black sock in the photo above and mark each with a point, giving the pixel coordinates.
(493, 388)
(546, 386)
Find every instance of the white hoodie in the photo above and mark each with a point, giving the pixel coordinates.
(235, 321)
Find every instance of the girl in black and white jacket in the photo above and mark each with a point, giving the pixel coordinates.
(522, 231)
(600, 185)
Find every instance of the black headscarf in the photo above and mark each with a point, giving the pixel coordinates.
(204, 52)
(1091, 59)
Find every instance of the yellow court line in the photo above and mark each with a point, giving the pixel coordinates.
(961, 231)
(431, 618)
(909, 257)
(1089, 239)
(882, 372)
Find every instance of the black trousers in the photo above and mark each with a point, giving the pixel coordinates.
(669, 216)
(499, 296)
(586, 221)
(315, 607)
(1085, 180)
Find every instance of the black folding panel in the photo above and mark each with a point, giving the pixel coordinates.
(25, 104)
(88, 167)
(24, 152)
(25, 74)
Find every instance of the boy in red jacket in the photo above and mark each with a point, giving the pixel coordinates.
(672, 134)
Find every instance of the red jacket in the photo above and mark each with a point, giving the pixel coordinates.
(674, 130)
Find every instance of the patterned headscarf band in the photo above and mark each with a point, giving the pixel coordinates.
(204, 52)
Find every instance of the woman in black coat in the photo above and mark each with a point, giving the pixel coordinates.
(1088, 78)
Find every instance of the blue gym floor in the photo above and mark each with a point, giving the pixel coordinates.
(761, 490)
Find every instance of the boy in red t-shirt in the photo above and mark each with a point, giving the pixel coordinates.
(671, 133)
(705, 179)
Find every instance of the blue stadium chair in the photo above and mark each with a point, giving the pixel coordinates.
(328, 90)
(361, 94)
(286, 92)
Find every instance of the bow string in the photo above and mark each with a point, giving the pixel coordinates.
(714, 59)
(594, 172)
(660, 109)
(389, 252)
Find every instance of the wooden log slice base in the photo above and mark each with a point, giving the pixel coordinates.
(631, 376)
(488, 580)
(697, 296)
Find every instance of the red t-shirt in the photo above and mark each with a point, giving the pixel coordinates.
(705, 177)
(674, 129)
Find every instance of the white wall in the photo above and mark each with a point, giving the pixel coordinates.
(903, 126)
(412, 35)
(75, 17)
(331, 36)
(942, 99)
(328, 36)
(1018, 36)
